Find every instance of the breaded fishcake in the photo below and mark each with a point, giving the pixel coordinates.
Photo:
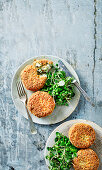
(30, 77)
(86, 159)
(31, 80)
(41, 104)
(81, 135)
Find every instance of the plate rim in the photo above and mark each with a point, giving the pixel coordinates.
(69, 121)
(32, 58)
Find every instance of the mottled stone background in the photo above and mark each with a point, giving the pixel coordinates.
(70, 29)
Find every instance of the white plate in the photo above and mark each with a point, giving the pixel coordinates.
(64, 128)
(60, 112)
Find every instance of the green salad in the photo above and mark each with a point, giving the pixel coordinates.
(60, 156)
(59, 86)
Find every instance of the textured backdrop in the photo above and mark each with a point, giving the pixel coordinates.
(70, 29)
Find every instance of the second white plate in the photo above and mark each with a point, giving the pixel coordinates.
(60, 112)
(64, 128)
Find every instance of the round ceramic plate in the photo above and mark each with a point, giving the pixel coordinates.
(60, 112)
(64, 128)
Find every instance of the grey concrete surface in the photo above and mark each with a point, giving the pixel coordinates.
(70, 29)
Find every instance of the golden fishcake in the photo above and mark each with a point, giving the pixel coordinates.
(30, 77)
(81, 135)
(31, 80)
(41, 104)
(86, 159)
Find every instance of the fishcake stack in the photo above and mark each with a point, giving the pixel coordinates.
(82, 136)
(33, 77)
